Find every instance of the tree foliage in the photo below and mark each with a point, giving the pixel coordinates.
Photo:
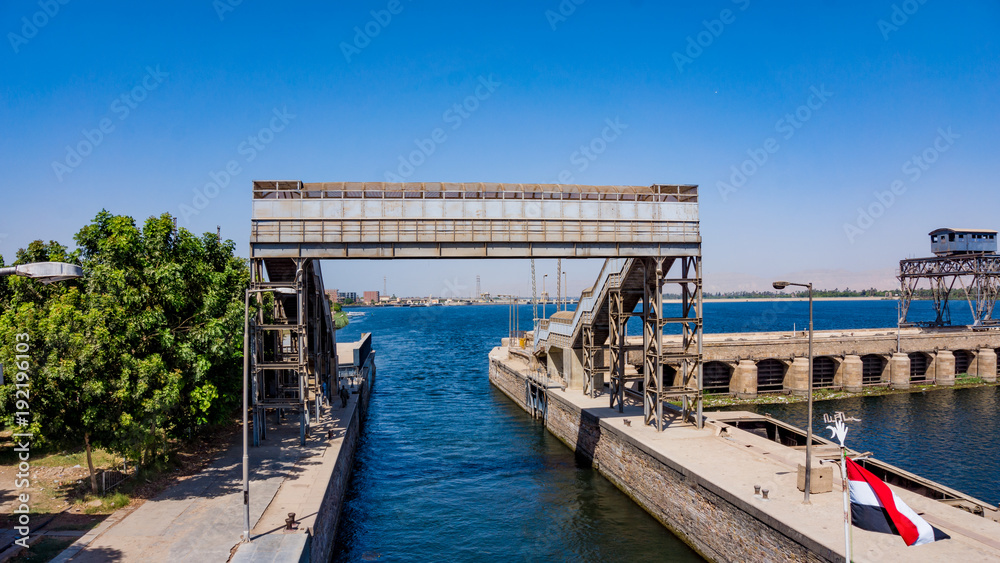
(144, 349)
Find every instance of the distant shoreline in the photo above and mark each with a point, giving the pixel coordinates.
(707, 300)
(775, 299)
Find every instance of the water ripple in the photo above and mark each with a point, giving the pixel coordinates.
(447, 468)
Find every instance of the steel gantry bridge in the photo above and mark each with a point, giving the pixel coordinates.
(977, 274)
(643, 232)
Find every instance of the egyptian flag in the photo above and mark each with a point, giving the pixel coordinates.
(874, 507)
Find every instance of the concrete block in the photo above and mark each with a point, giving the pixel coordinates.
(572, 366)
(986, 365)
(821, 480)
(797, 377)
(743, 384)
(598, 382)
(899, 371)
(944, 368)
(852, 373)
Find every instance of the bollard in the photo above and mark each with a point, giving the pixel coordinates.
(290, 521)
(756, 490)
(764, 492)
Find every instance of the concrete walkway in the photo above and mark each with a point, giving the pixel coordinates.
(201, 518)
(735, 463)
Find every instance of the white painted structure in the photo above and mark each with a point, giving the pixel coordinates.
(471, 220)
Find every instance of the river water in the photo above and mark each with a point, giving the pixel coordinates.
(448, 468)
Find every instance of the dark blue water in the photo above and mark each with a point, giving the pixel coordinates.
(449, 469)
(948, 435)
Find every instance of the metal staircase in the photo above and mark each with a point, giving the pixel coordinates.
(292, 344)
(601, 319)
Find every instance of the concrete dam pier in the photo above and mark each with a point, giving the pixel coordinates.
(700, 483)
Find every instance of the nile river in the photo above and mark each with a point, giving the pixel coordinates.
(448, 468)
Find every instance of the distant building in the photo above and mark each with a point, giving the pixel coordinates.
(371, 297)
(955, 242)
(348, 295)
(332, 295)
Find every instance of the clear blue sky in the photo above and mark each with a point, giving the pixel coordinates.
(197, 84)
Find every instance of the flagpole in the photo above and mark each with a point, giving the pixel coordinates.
(847, 502)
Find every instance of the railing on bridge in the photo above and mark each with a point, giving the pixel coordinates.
(471, 220)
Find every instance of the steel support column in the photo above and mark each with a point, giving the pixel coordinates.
(588, 361)
(616, 348)
(652, 341)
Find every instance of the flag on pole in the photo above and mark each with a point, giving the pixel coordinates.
(874, 507)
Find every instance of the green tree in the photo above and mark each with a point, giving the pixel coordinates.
(68, 397)
(181, 339)
(146, 347)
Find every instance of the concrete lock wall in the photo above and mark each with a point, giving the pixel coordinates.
(320, 545)
(696, 510)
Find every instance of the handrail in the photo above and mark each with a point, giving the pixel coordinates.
(589, 301)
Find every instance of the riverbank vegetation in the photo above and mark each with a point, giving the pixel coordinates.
(340, 318)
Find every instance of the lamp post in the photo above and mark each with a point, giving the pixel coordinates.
(780, 285)
(545, 296)
(566, 285)
(246, 402)
(45, 272)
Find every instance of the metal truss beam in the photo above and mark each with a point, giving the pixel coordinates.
(978, 275)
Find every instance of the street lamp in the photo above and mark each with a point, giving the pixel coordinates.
(780, 285)
(246, 401)
(545, 295)
(566, 285)
(45, 272)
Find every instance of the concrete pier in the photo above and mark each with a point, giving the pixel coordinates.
(700, 484)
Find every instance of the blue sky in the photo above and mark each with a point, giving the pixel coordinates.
(838, 96)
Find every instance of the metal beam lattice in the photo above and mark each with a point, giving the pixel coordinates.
(978, 275)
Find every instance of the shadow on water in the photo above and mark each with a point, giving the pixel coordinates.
(448, 467)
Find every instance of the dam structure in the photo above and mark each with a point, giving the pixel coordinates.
(718, 479)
